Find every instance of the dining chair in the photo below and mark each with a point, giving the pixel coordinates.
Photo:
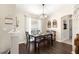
(29, 40)
(39, 40)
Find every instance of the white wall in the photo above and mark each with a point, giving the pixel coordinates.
(75, 23)
(65, 10)
(21, 27)
(6, 10)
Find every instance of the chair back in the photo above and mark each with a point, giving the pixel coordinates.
(28, 41)
(27, 36)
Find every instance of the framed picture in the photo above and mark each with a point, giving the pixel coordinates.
(54, 23)
(8, 20)
(49, 24)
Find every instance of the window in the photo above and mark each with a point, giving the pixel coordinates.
(35, 26)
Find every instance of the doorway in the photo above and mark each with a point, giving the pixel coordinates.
(66, 29)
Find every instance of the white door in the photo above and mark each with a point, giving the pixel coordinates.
(66, 27)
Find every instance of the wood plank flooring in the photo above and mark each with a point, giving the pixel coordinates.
(57, 48)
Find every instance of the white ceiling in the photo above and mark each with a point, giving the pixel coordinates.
(37, 9)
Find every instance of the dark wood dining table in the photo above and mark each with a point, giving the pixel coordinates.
(43, 35)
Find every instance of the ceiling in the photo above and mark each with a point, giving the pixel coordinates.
(37, 9)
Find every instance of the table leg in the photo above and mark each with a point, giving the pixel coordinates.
(35, 45)
(51, 40)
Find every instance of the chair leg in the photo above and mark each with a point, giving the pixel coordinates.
(38, 48)
(28, 49)
(48, 43)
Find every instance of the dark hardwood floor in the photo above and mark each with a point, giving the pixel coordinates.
(57, 48)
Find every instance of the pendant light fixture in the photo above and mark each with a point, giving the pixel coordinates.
(43, 14)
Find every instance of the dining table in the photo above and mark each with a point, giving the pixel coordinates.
(41, 38)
